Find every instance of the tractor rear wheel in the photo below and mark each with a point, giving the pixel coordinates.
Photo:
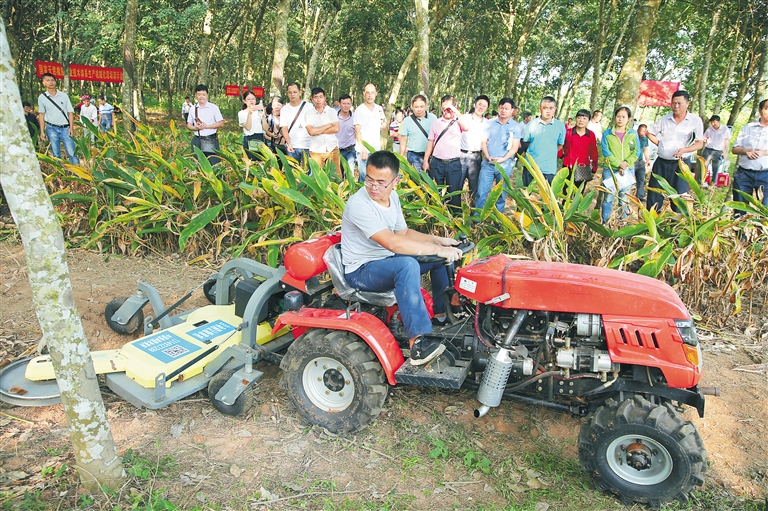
(133, 324)
(334, 380)
(642, 452)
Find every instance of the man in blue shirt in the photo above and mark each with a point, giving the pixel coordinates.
(499, 145)
(414, 131)
(545, 136)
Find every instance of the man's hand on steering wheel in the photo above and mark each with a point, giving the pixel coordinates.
(450, 254)
(447, 242)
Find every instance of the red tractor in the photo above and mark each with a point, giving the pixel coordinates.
(617, 348)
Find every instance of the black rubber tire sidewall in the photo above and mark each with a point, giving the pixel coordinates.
(133, 324)
(358, 359)
(657, 422)
(241, 405)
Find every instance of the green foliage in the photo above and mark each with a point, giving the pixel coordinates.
(439, 450)
(145, 193)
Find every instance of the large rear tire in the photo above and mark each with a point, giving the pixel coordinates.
(334, 380)
(642, 452)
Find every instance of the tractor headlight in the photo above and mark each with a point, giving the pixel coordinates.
(687, 331)
(690, 341)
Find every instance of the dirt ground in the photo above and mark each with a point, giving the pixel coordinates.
(270, 454)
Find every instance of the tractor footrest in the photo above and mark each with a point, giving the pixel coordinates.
(435, 374)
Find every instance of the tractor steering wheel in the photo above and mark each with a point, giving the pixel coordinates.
(465, 246)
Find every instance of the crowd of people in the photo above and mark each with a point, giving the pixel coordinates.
(458, 149)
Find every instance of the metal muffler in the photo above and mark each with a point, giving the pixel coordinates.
(495, 379)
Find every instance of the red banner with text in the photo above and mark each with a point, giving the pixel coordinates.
(80, 72)
(236, 90)
(56, 69)
(96, 73)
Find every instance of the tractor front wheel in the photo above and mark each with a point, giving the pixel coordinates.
(642, 452)
(334, 380)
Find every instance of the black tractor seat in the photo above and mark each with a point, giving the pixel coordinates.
(332, 258)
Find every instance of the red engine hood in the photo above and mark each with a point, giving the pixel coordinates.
(561, 287)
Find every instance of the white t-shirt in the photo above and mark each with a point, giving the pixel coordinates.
(471, 140)
(370, 125)
(256, 127)
(89, 112)
(362, 218)
(298, 134)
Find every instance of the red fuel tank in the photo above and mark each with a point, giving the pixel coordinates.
(305, 260)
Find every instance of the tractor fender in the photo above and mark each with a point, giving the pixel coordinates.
(366, 326)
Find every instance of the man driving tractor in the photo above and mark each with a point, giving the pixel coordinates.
(375, 245)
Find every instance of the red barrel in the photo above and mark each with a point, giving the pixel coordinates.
(305, 260)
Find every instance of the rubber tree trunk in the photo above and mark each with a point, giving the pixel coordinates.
(705, 66)
(20, 175)
(513, 69)
(398, 83)
(760, 79)
(129, 63)
(422, 43)
(728, 74)
(628, 82)
(747, 70)
(281, 47)
(330, 18)
(203, 63)
(596, 67)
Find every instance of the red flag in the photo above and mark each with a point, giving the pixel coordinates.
(656, 93)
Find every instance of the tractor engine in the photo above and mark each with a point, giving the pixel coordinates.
(528, 345)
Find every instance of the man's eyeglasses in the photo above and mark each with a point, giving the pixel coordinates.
(374, 185)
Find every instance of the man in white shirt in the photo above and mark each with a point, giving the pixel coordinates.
(56, 117)
(90, 112)
(679, 135)
(293, 126)
(752, 147)
(322, 126)
(205, 119)
(595, 127)
(717, 138)
(471, 140)
(369, 121)
(185, 108)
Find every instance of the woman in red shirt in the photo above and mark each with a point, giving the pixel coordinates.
(580, 150)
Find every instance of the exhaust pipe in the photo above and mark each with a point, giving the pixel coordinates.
(479, 412)
(495, 379)
(710, 391)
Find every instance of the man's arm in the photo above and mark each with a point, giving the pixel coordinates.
(512, 151)
(750, 153)
(287, 138)
(653, 138)
(428, 154)
(410, 242)
(697, 144)
(41, 121)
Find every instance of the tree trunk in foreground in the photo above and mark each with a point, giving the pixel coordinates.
(20, 175)
(628, 83)
(129, 64)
